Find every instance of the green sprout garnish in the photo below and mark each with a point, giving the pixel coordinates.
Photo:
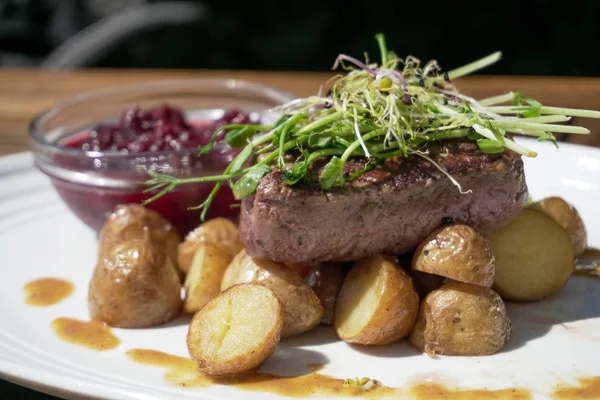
(393, 109)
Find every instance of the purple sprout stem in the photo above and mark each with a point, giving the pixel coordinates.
(354, 61)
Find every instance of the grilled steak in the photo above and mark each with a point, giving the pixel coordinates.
(389, 209)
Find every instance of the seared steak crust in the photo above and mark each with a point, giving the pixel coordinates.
(389, 209)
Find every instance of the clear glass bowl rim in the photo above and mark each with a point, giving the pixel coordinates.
(36, 125)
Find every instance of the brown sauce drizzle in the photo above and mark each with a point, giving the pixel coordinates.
(588, 264)
(46, 291)
(183, 372)
(589, 388)
(435, 391)
(94, 335)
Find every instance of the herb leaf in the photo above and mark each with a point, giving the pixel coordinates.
(238, 138)
(331, 172)
(248, 183)
(490, 146)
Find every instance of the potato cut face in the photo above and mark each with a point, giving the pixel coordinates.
(377, 304)
(203, 281)
(457, 252)
(219, 232)
(534, 257)
(302, 308)
(567, 217)
(359, 299)
(236, 331)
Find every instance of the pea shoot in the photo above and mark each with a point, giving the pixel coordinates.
(377, 111)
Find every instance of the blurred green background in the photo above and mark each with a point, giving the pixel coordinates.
(538, 37)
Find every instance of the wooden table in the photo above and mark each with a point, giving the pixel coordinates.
(25, 92)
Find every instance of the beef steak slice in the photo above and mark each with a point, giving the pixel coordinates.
(389, 209)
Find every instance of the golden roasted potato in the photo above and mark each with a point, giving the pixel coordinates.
(203, 281)
(425, 283)
(135, 285)
(133, 221)
(377, 303)
(326, 281)
(302, 308)
(567, 217)
(534, 257)
(219, 232)
(456, 252)
(236, 331)
(463, 320)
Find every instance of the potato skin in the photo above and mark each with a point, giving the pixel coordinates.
(461, 319)
(134, 285)
(215, 361)
(397, 302)
(456, 252)
(302, 308)
(326, 281)
(534, 257)
(133, 221)
(567, 217)
(219, 232)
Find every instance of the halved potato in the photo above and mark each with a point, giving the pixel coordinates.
(456, 252)
(326, 281)
(236, 331)
(302, 308)
(461, 319)
(534, 257)
(377, 303)
(566, 216)
(219, 232)
(203, 281)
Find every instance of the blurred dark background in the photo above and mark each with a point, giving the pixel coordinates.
(541, 37)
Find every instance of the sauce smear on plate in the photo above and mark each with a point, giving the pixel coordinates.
(46, 291)
(589, 389)
(94, 335)
(183, 372)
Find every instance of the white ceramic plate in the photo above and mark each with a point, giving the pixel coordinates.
(554, 341)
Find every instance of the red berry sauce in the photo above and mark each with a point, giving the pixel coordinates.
(161, 129)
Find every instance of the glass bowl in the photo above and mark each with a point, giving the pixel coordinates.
(93, 183)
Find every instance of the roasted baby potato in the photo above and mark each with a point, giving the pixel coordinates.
(302, 309)
(534, 257)
(326, 281)
(203, 281)
(566, 216)
(133, 221)
(461, 319)
(219, 232)
(135, 285)
(456, 252)
(236, 331)
(377, 303)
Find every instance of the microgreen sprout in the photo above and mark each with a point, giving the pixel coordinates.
(377, 111)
